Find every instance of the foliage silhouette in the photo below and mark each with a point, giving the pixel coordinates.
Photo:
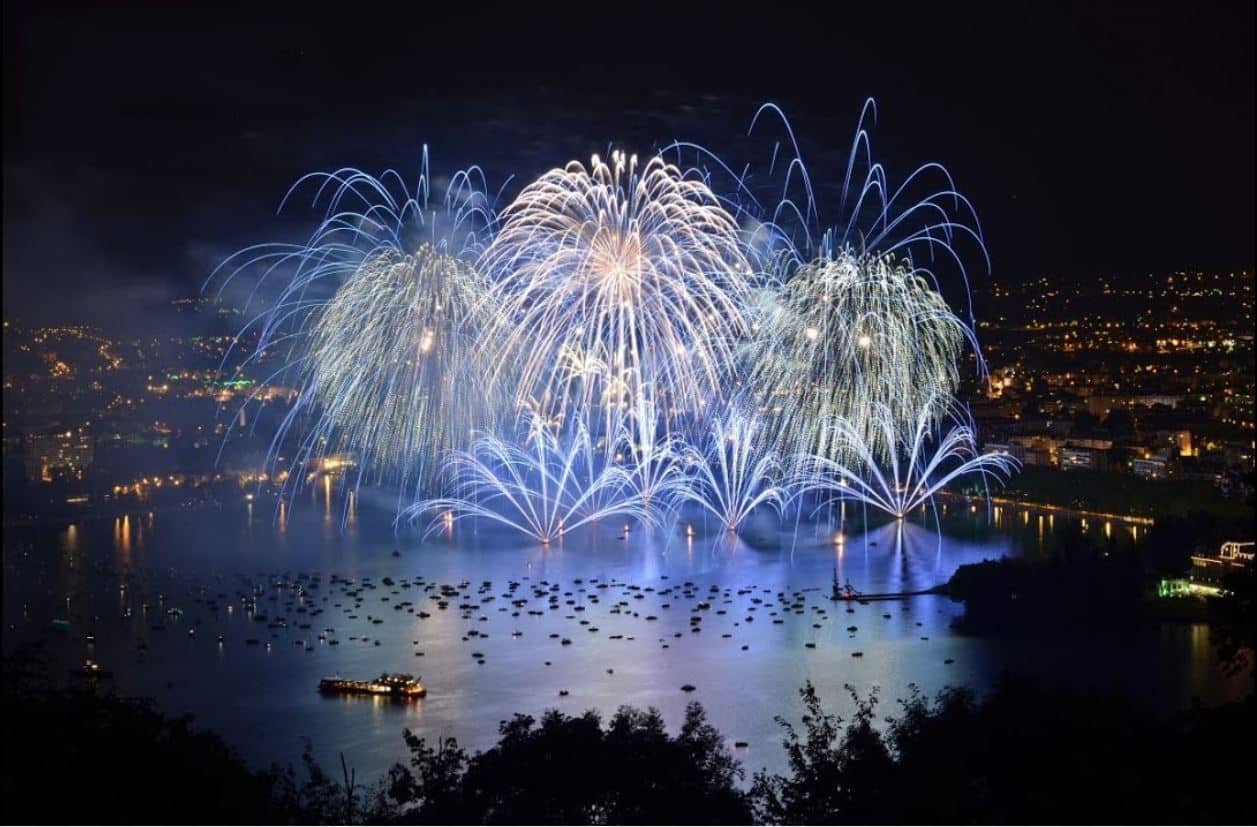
(1022, 753)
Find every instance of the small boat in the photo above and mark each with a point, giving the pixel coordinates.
(92, 671)
(392, 685)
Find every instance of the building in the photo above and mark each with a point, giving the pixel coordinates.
(1082, 458)
(1100, 404)
(1178, 440)
(1234, 556)
(62, 455)
(1011, 449)
(1092, 444)
(1036, 449)
(1150, 468)
(1209, 571)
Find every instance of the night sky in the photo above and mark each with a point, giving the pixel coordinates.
(142, 145)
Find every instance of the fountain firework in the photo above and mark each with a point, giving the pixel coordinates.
(733, 476)
(921, 461)
(553, 481)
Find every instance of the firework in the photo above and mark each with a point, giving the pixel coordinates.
(670, 338)
(614, 281)
(923, 460)
(553, 482)
(392, 368)
(924, 218)
(371, 326)
(735, 475)
(849, 337)
(852, 313)
(647, 451)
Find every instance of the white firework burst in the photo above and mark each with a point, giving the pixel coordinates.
(370, 326)
(847, 338)
(615, 280)
(392, 365)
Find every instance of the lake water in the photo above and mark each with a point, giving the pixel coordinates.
(118, 579)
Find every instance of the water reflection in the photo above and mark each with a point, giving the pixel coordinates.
(263, 700)
(122, 538)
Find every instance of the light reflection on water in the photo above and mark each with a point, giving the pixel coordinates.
(263, 700)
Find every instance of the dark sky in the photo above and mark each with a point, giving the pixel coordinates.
(142, 144)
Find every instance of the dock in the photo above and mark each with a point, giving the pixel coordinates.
(848, 593)
(869, 598)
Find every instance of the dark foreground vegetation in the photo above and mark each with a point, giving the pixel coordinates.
(1023, 753)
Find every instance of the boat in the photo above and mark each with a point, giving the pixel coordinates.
(92, 671)
(392, 685)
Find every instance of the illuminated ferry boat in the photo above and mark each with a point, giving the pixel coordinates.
(394, 686)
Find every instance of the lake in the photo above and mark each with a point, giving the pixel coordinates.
(628, 603)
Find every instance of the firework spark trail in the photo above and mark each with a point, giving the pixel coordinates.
(392, 367)
(629, 309)
(844, 339)
(372, 323)
(924, 218)
(924, 459)
(650, 453)
(613, 280)
(853, 315)
(736, 474)
(551, 483)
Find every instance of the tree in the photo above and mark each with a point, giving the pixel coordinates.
(835, 775)
(1120, 425)
(1085, 423)
(571, 769)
